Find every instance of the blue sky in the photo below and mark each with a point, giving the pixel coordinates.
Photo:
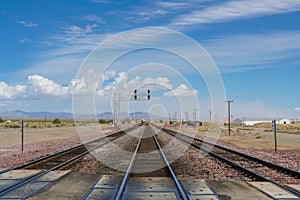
(255, 44)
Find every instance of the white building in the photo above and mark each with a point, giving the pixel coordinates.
(251, 123)
(238, 122)
(284, 121)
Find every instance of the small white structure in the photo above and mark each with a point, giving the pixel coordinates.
(251, 123)
(284, 121)
(238, 122)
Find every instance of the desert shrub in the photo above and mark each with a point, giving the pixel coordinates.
(1, 120)
(56, 121)
(13, 126)
(268, 130)
(104, 121)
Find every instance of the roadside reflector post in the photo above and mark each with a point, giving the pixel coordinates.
(22, 135)
(275, 135)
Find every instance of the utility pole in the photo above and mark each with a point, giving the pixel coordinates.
(45, 120)
(175, 116)
(116, 110)
(186, 116)
(195, 118)
(228, 102)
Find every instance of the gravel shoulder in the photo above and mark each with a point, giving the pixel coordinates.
(257, 142)
(41, 141)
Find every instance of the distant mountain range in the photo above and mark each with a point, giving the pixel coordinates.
(123, 115)
(24, 114)
(66, 115)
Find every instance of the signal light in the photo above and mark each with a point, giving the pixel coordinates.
(135, 96)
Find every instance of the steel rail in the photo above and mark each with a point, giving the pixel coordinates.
(36, 176)
(181, 191)
(125, 178)
(62, 152)
(233, 164)
(286, 170)
(170, 170)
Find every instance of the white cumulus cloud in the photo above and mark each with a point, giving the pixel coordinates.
(108, 75)
(9, 92)
(78, 86)
(181, 90)
(42, 85)
(86, 86)
(110, 82)
(123, 83)
(113, 82)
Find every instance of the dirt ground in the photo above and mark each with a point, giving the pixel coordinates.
(41, 141)
(259, 136)
(12, 137)
(257, 141)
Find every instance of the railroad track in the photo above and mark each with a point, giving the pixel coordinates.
(258, 169)
(148, 169)
(147, 143)
(58, 160)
